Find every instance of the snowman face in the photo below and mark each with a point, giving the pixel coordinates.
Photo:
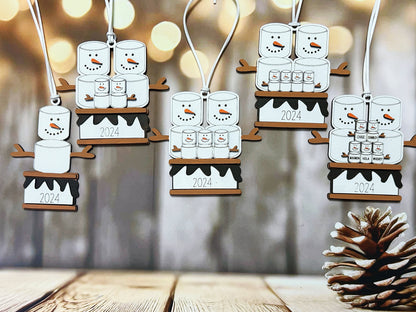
(102, 86)
(118, 86)
(54, 123)
(186, 109)
(275, 40)
(189, 137)
(223, 108)
(346, 110)
(312, 41)
(387, 111)
(93, 58)
(130, 57)
(221, 137)
(204, 138)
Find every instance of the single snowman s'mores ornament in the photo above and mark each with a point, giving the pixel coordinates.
(291, 92)
(366, 144)
(115, 113)
(50, 186)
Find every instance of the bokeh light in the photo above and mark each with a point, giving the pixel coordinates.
(62, 55)
(227, 15)
(284, 4)
(166, 36)
(8, 9)
(340, 40)
(76, 8)
(124, 14)
(247, 7)
(23, 5)
(361, 4)
(189, 66)
(6, 69)
(158, 55)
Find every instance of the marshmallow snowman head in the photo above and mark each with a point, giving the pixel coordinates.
(275, 40)
(387, 111)
(312, 41)
(54, 123)
(118, 86)
(186, 109)
(102, 86)
(93, 58)
(130, 57)
(223, 108)
(189, 138)
(346, 110)
(221, 138)
(204, 138)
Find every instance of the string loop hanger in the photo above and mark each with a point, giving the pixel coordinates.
(37, 19)
(367, 95)
(111, 36)
(295, 14)
(205, 89)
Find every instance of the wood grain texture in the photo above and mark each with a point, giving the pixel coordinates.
(295, 95)
(366, 197)
(106, 111)
(37, 174)
(304, 294)
(113, 291)
(42, 207)
(364, 166)
(290, 125)
(204, 192)
(21, 288)
(214, 292)
(126, 141)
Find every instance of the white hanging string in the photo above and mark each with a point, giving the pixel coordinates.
(111, 36)
(366, 67)
(206, 83)
(37, 19)
(296, 13)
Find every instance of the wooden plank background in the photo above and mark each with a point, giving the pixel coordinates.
(126, 217)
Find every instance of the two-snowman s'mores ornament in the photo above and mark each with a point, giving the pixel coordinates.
(292, 91)
(112, 109)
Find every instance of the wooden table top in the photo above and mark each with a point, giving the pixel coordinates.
(66, 290)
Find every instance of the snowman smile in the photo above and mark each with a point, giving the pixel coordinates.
(352, 120)
(277, 48)
(186, 119)
(125, 67)
(223, 119)
(316, 48)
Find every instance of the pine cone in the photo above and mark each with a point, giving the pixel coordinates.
(370, 275)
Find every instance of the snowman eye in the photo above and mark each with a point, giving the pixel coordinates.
(126, 54)
(352, 108)
(272, 37)
(382, 109)
(388, 110)
(96, 55)
(345, 108)
(316, 38)
(51, 119)
(89, 55)
(183, 105)
(219, 105)
(225, 105)
(132, 54)
(57, 119)
(309, 38)
(278, 37)
(189, 105)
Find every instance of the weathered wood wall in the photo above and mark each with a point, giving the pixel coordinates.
(127, 219)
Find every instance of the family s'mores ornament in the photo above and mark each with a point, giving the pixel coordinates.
(50, 186)
(292, 92)
(112, 110)
(205, 149)
(366, 145)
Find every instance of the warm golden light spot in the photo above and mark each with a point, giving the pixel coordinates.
(62, 55)
(23, 5)
(76, 8)
(166, 36)
(361, 4)
(284, 4)
(124, 14)
(8, 9)
(340, 40)
(188, 64)
(158, 55)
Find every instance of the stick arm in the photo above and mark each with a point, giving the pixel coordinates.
(318, 139)
(252, 136)
(341, 70)
(411, 143)
(65, 86)
(245, 68)
(158, 137)
(84, 154)
(20, 152)
(159, 85)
